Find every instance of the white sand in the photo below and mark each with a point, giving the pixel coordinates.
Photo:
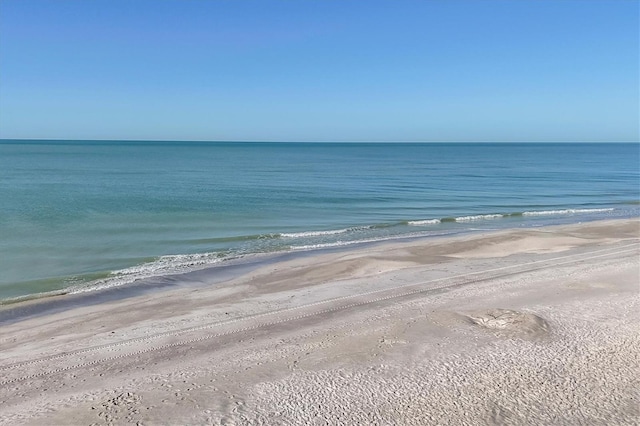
(538, 326)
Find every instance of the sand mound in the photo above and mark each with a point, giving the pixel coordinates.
(507, 321)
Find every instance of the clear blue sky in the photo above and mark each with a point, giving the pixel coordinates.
(456, 70)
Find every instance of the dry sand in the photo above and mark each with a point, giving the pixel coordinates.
(535, 326)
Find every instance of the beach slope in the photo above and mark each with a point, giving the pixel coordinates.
(526, 326)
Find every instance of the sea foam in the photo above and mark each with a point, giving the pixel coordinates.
(163, 265)
(478, 217)
(565, 211)
(424, 222)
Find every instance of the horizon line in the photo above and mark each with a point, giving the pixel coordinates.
(304, 141)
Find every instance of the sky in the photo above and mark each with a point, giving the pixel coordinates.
(321, 70)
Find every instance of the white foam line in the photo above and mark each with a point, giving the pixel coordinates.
(314, 233)
(478, 217)
(424, 222)
(565, 211)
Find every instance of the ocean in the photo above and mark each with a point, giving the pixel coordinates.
(81, 216)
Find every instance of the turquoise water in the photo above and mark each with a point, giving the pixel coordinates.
(86, 215)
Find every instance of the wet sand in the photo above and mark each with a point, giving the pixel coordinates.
(529, 326)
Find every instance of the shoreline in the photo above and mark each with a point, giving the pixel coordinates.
(156, 267)
(479, 315)
(38, 304)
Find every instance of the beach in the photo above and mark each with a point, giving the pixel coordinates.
(319, 213)
(518, 326)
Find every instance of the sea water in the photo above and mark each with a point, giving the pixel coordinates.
(77, 216)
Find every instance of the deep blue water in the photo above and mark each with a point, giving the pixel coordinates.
(91, 214)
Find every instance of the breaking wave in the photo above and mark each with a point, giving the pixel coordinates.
(490, 216)
(322, 233)
(565, 211)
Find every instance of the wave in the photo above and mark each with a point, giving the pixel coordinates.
(450, 219)
(478, 217)
(163, 265)
(171, 263)
(424, 222)
(336, 244)
(565, 211)
(321, 233)
(275, 236)
(235, 238)
(329, 245)
(490, 216)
